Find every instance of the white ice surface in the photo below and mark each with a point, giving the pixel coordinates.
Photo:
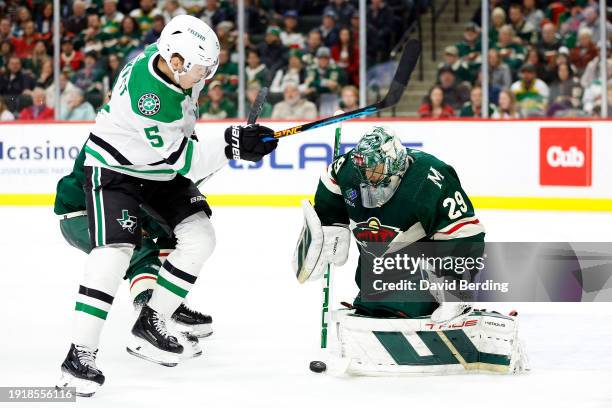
(267, 325)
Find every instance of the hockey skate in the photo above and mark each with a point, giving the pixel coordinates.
(79, 370)
(192, 322)
(191, 346)
(152, 341)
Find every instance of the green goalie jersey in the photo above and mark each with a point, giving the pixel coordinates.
(145, 129)
(428, 205)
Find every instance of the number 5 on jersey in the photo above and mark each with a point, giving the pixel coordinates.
(154, 137)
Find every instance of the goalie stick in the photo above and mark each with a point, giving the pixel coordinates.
(406, 65)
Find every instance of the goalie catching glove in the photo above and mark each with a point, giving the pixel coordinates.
(247, 142)
(318, 246)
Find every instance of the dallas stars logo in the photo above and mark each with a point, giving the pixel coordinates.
(127, 221)
(149, 104)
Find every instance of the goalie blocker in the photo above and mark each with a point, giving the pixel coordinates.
(475, 342)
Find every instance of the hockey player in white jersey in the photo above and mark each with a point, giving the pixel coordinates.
(142, 152)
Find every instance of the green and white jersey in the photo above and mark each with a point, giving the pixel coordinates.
(145, 129)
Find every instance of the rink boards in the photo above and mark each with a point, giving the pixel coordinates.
(547, 165)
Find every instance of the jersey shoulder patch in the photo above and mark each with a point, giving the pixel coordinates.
(150, 96)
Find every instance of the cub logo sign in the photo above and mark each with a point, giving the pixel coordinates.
(565, 156)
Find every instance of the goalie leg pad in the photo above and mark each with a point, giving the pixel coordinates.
(319, 246)
(478, 342)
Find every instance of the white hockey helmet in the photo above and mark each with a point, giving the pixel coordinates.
(195, 42)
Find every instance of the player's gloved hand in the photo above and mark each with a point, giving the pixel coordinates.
(247, 142)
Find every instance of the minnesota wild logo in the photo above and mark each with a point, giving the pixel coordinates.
(127, 221)
(149, 104)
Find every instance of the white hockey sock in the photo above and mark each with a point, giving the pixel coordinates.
(104, 270)
(195, 242)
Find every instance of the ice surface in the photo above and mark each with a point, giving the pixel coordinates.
(266, 325)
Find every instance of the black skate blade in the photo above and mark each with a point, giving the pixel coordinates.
(162, 363)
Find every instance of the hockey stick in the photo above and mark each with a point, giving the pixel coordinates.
(406, 65)
(327, 275)
(257, 105)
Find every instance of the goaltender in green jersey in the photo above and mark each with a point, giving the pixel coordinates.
(391, 197)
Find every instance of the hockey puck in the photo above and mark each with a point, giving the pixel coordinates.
(318, 366)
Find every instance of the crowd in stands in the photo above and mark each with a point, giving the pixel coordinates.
(543, 61)
(305, 51)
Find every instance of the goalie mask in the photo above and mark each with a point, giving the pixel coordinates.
(197, 46)
(381, 160)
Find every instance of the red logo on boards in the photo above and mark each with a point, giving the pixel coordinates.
(565, 156)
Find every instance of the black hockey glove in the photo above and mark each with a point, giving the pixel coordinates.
(246, 142)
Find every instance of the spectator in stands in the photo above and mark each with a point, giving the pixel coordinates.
(93, 36)
(342, 9)
(272, 52)
(498, 20)
(5, 29)
(454, 94)
(77, 22)
(213, 14)
(6, 52)
(111, 20)
(531, 92)
(313, 43)
(129, 40)
(76, 107)
(39, 55)
(5, 114)
(65, 88)
(256, 71)
(227, 72)
(172, 8)
(226, 36)
(591, 21)
(591, 98)
(329, 30)
(592, 71)
(24, 45)
(145, 14)
(324, 79)
(155, 31)
(499, 71)
(89, 78)
(112, 71)
(469, 47)
(44, 79)
(460, 67)
(290, 37)
(549, 42)
(379, 18)
(217, 107)
(349, 98)
(510, 52)
(44, 22)
(546, 72)
(533, 15)
(293, 106)
(23, 16)
(584, 51)
(39, 109)
(565, 92)
(435, 105)
(523, 28)
(295, 73)
(507, 106)
(346, 55)
(251, 94)
(69, 57)
(473, 108)
(14, 82)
